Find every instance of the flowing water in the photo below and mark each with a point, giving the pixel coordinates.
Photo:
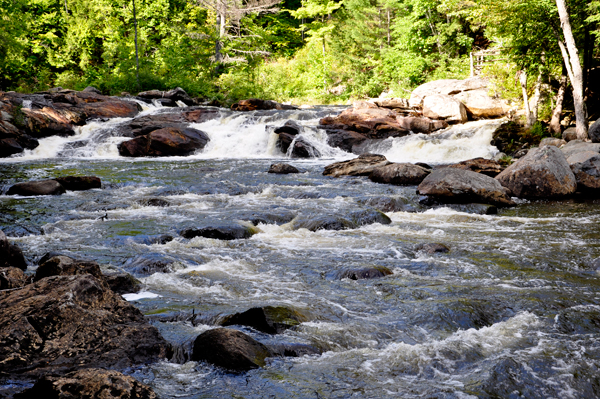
(513, 310)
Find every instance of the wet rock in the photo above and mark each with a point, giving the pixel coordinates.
(294, 350)
(164, 102)
(290, 127)
(12, 277)
(445, 86)
(225, 231)
(10, 254)
(300, 148)
(158, 202)
(476, 209)
(230, 349)
(90, 384)
(361, 166)
(420, 124)
(168, 141)
(368, 216)
(68, 322)
(253, 104)
(449, 185)
(432, 248)
(509, 378)
(400, 174)
(586, 168)
(268, 319)
(177, 118)
(542, 173)
(439, 106)
(272, 217)
(65, 266)
(323, 223)
(370, 121)
(594, 132)
(576, 146)
(122, 283)
(282, 169)
(79, 183)
(148, 264)
(344, 139)
(364, 273)
(553, 141)
(41, 187)
(488, 167)
(387, 204)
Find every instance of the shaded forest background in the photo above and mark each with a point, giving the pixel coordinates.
(294, 50)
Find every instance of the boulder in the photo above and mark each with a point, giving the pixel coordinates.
(387, 204)
(177, 118)
(432, 248)
(79, 183)
(480, 105)
(463, 186)
(230, 349)
(225, 231)
(576, 146)
(400, 174)
(293, 350)
(352, 220)
(10, 254)
(392, 103)
(157, 202)
(122, 283)
(364, 273)
(569, 134)
(368, 216)
(488, 167)
(446, 87)
(65, 266)
(553, 141)
(542, 173)
(361, 166)
(267, 319)
(421, 125)
(41, 187)
(168, 141)
(586, 168)
(290, 127)
(253, 104)
(69, 322)
(282, 169)
(300, 148)
(440, 106)
(344, 139)
(171, 96)
(372, 122)
(594, 132)
(12, 277)
(92, 89)
(92, 383)
(148, 264)
(276, 216)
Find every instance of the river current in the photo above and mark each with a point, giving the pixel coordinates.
(512, 311)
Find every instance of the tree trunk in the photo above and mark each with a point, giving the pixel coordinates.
(535, 100)
(571, 58)
(523, 81)
(560, 97)
(137, 59)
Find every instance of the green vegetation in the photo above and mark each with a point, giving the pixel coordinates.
(293, 50)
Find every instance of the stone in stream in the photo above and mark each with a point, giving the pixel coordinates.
(586, 168)
(10, 254)
(168, 141)
(293, 350)
(290, 127)
(399, 174)
(267, 319)
(122, 283)
(173, 95)
(387, 204)
(282, 168)
(148, 264)
(368, 216)
(432, 248)
(352, 220)
(12, 277)
(300, 148)
(79, 183)
(488, 167)
(364, 273)
(225, 231)
(346, 140)
(92, 383)
(65, 266)
(41, 187)
(63, 323)
(230, 349)
(542, 174)
(275, 216)
(449, 185)
(254, 104)
(158, 202)
(421, 124)
(361, 166)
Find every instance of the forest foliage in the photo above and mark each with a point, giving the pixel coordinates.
(294, 50)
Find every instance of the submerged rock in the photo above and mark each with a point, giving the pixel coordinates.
(68, 322)
(463, 186)
(230, 349)
(368, 216)
(148, 264)
(542, 173)
(89, 383)
(399, 174)
(364, 273)
(12, 277)
(225, 231)
(432, 248)
(275, 216)
(361, 166)
(352, 220)
(293, 350)
(268, 319)
(168, 141)
(158, 202)
(282, 169)
(41, 187)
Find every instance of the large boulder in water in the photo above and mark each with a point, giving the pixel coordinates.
(463, 186)
(230, 349)
(223, 231)
(361, 166)
(69, 322)
(169, 141)
(364, 273)
(400, 174)
(282, 169)
(92, 383)
(367, 119)
(268, 319)
(439, 106)
(79, 183)
(300, 148)
(40, 187)
(174, 95)
(542, 173)
(351, 220)
(586, 168)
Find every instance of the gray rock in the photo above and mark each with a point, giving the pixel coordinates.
(552, 141)
(41, 187)
(225, 231)
(399, 174)
(439, 106)
(364, 273)
(282, 169)
(576, 146)
(586, 168)
(542, 173)
(361, 166)
(594, 132)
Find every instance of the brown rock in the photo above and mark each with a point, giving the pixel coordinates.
(361, 166)
(90, 384)
(10, 254)
(253, 104)
(344, 139)
(542, 173)
(282, 168)
(421, 125)
(569, 134)
(487, 167)
(400, 174)
(69, 322)
(374, 123)
(165, 142)
(268, 319)
(364, 273)
(41, 187)
(79, 183)
(12, 277)
(392, 103)
(65, 266)
(449, 185)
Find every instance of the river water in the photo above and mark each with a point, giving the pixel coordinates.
(512, 311)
